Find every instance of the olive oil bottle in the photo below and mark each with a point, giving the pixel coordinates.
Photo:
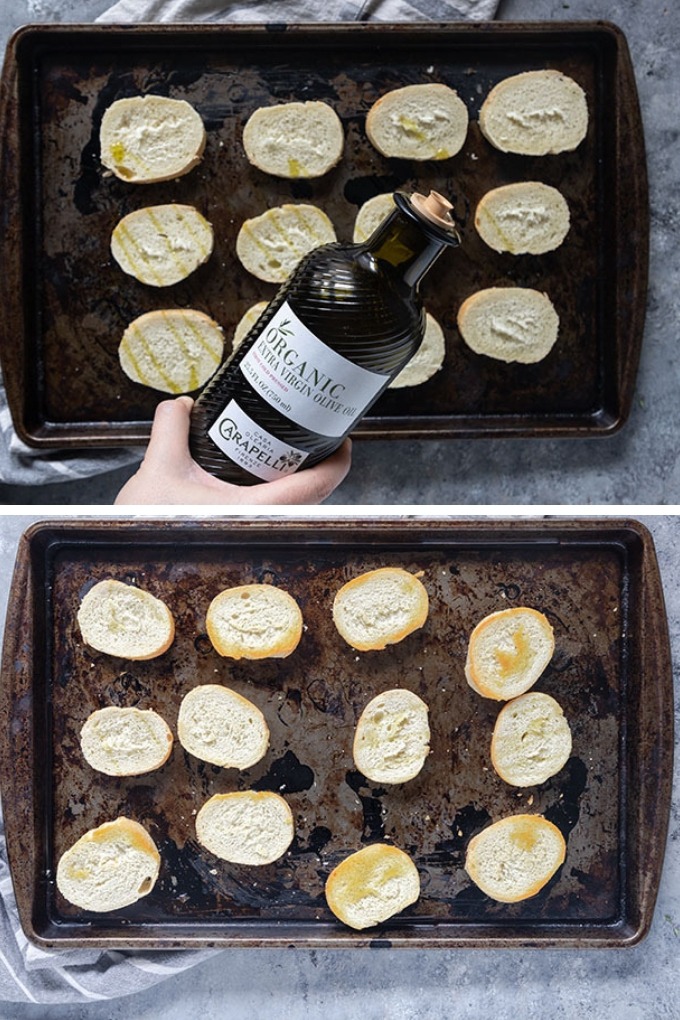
(336, 334)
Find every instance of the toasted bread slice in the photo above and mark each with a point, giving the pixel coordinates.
(509, 324)
(427, 360)
(418, 122)
(246, 323)
(122, 620)
(246, 827)
(145, 139)
(508, 651)
(270, 245)
(222, 727)
(174, 350)
(531, 740)
(162, 244)
(514, 858)
(125, 741)
(392, 738)
(254, 621)
(527, 218)
(535, 113)
(372, 885)
(380, 607)
(294, 139)
(372, 213)
(109, 867)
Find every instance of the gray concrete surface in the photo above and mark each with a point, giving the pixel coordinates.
(633, 984)
(642, 462)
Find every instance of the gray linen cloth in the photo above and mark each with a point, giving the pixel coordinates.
(29, 974)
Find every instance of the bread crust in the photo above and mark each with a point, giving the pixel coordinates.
(485, 681)
(348, 602)
(92, 615)
(518, 836)
(236, 629)
(76, 865)
(372, 885)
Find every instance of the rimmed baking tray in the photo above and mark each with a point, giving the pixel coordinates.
(598, 583)
(66, 303)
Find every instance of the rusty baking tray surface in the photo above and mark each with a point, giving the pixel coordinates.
(599, 585)
(66, 303)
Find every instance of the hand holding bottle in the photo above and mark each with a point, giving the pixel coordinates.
(169, 475)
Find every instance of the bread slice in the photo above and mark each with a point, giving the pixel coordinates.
(125, 741)
(254, 621)
(531, 740)
(535, 113)
(392, 738)
(162, 244)
(427, 360)
(509, 324)
(380, 607)
(122, 620)
(145, 139)
(109, 867)
(418, 122)
(527, 218)
(508, 652)
(372, 885)
(514, 858)
(220, 726)
(246, 827)
(174, 350)
(294, 139)
(246, 323)
(270, 245)
(371, 215)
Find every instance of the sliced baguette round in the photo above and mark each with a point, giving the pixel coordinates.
(125, 741)
(270, 245)
(371, 215)
(527, 218)
(151, 138)
(254, 621)
(109, 867)
(507, 652)
(162, 244)
(531, 740)
(427, 360)
(372, 885)
(418, 122)
(509, 324)
(535, 113)
(514, 858)
(246, 828)
(220, 726)
(246, 323)
(174, 350)
(122, 620)
(380, 608)
(392, 737)
(294, 139)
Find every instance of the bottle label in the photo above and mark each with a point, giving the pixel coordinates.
(305, 380)
(252, 447)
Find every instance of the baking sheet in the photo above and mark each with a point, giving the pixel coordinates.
(597, 583)
(67, 303)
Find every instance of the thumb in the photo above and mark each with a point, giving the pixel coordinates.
(168, 449)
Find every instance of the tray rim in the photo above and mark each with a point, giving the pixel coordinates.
(632, 219)
(645, 842)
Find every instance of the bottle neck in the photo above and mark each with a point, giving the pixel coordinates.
(409, 243)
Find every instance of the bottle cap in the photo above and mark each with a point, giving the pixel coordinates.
(435, 208)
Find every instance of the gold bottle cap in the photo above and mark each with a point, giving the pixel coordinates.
(435, 208)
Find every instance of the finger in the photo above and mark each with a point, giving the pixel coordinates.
(307, 487)
(168, 449)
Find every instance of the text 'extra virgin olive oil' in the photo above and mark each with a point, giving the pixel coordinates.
(339, 330)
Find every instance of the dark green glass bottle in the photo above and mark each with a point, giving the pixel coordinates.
(336, 334)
